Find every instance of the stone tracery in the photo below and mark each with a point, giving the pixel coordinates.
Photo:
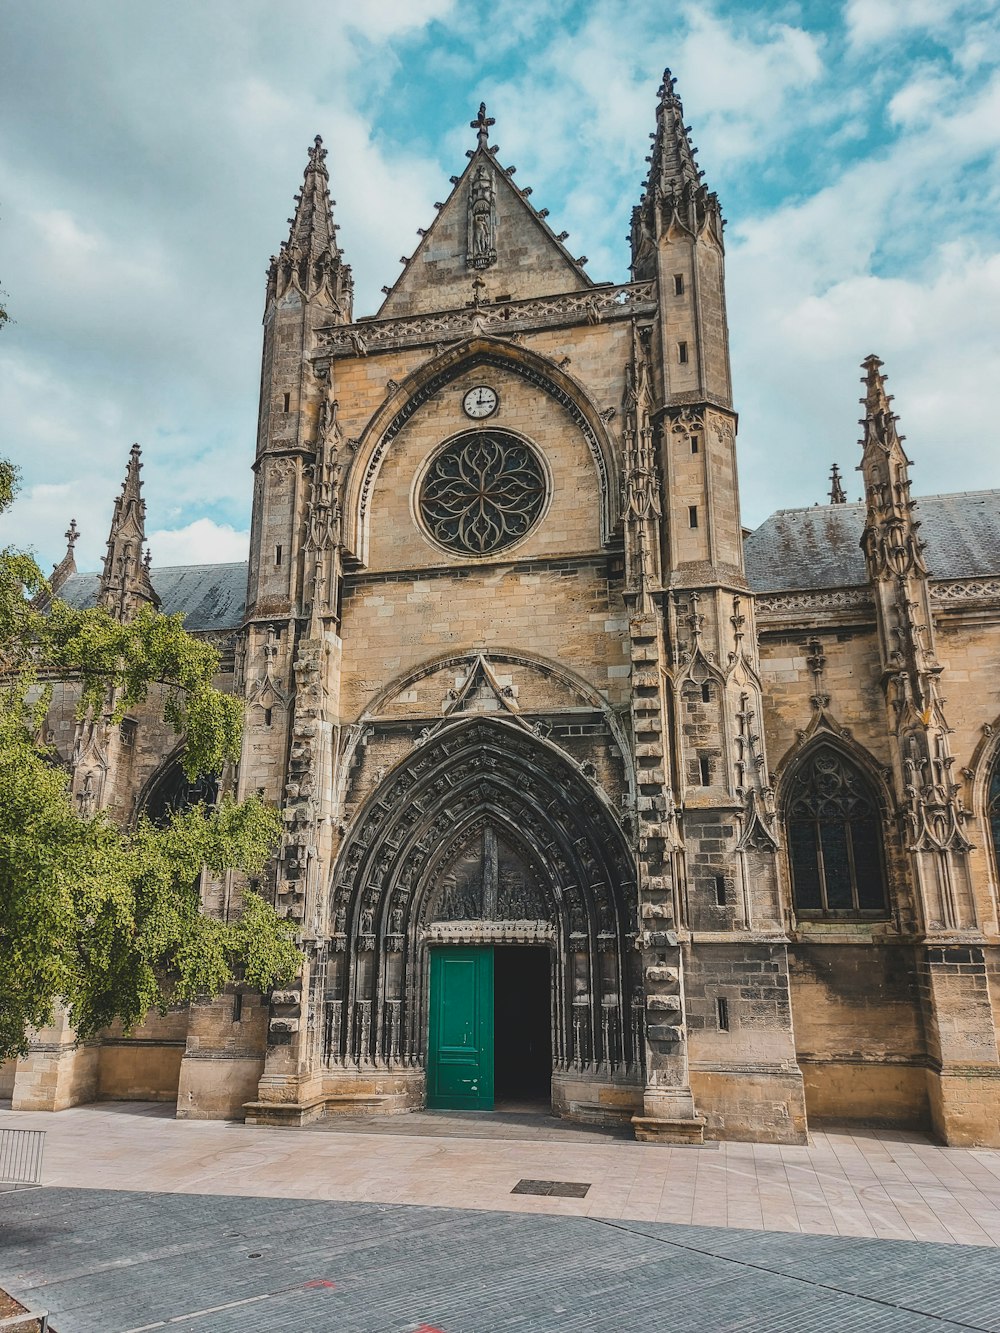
(396, 880)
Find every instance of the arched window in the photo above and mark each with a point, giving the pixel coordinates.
(834, 839)
(174, 793)
(993, 811)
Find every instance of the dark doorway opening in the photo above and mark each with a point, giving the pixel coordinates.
(522, 1025)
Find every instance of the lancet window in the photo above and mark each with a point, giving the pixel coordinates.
(834, 839)
(993, 811)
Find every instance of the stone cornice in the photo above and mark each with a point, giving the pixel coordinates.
(778, 609)
(594, 306)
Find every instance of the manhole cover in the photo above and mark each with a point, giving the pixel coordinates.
(562, 1189)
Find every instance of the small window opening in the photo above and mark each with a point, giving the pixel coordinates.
(286, 402)
(682, 353)
(128, 729)
(277, 556)
(694, 444)
(267, 717)
(238, 1007)
(692, 519)
(706, 692)
(705, 770)
(722, 1012)
(720, 890)
(678, 284)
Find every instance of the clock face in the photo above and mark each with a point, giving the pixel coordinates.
(480, 402)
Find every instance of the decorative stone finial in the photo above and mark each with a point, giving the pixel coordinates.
(837, 494)
(72, 535)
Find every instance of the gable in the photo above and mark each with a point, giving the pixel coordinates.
(488, 230)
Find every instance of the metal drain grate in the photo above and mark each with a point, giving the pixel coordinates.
(562, 1189)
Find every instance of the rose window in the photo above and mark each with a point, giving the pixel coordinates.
(482, 492)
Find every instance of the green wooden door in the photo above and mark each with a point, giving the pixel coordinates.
(460, 1037)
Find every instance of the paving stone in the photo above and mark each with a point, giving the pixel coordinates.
(107, 1261)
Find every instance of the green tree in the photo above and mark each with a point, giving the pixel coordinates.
(104, 919)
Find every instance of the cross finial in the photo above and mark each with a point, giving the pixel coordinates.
(72, 533)
(482, 125)
(477, 290)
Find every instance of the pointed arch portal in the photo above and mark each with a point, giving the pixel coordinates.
(486, 835)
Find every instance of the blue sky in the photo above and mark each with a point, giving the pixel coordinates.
(149, 155)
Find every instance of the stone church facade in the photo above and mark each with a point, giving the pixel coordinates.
(590, 797)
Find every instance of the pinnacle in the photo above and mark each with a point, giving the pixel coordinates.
(125, 584)
(673, 152)
(132, 484)
(313, 233)
(674, 191)
(876, 400)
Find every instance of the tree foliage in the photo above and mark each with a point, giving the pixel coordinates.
(103, 919)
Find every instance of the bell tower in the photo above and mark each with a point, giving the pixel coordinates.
(709, 877)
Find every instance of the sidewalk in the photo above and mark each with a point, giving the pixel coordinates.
(889, 1185)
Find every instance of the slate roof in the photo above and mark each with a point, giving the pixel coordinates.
(820, 547)
(210, 597)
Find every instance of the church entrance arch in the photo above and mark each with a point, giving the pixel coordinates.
(487, 838)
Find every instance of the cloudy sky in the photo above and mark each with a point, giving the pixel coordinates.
(149, 155)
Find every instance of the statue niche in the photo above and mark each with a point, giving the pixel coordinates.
(488, 880)
(481, 243)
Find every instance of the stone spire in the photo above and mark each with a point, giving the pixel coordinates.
(837, 494)
(674, 193)
(125, 585)
(929, 797)
(311, 259)
(890, 536)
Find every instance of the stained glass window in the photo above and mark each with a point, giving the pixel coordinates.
(993, 810)
(483, 492)
(834, 838)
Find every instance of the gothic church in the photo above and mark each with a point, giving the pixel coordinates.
(592, 799)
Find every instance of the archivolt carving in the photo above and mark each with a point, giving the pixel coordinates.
(401, 405)
(484, 823)
(577, 690)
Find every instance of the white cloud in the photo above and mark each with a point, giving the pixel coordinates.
(199, 543)
(918, 101)
(142, 228)
(877, 21)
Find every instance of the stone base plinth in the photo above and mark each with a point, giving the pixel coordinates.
(965, 1106)
(295, 1114)
(651, 1129)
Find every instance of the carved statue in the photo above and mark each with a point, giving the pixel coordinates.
(482, 219)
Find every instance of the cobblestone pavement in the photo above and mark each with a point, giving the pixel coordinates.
(107, 1261)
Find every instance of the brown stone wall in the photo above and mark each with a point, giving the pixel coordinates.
(859, 1032)
(145, 1064)
(223, 1059)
